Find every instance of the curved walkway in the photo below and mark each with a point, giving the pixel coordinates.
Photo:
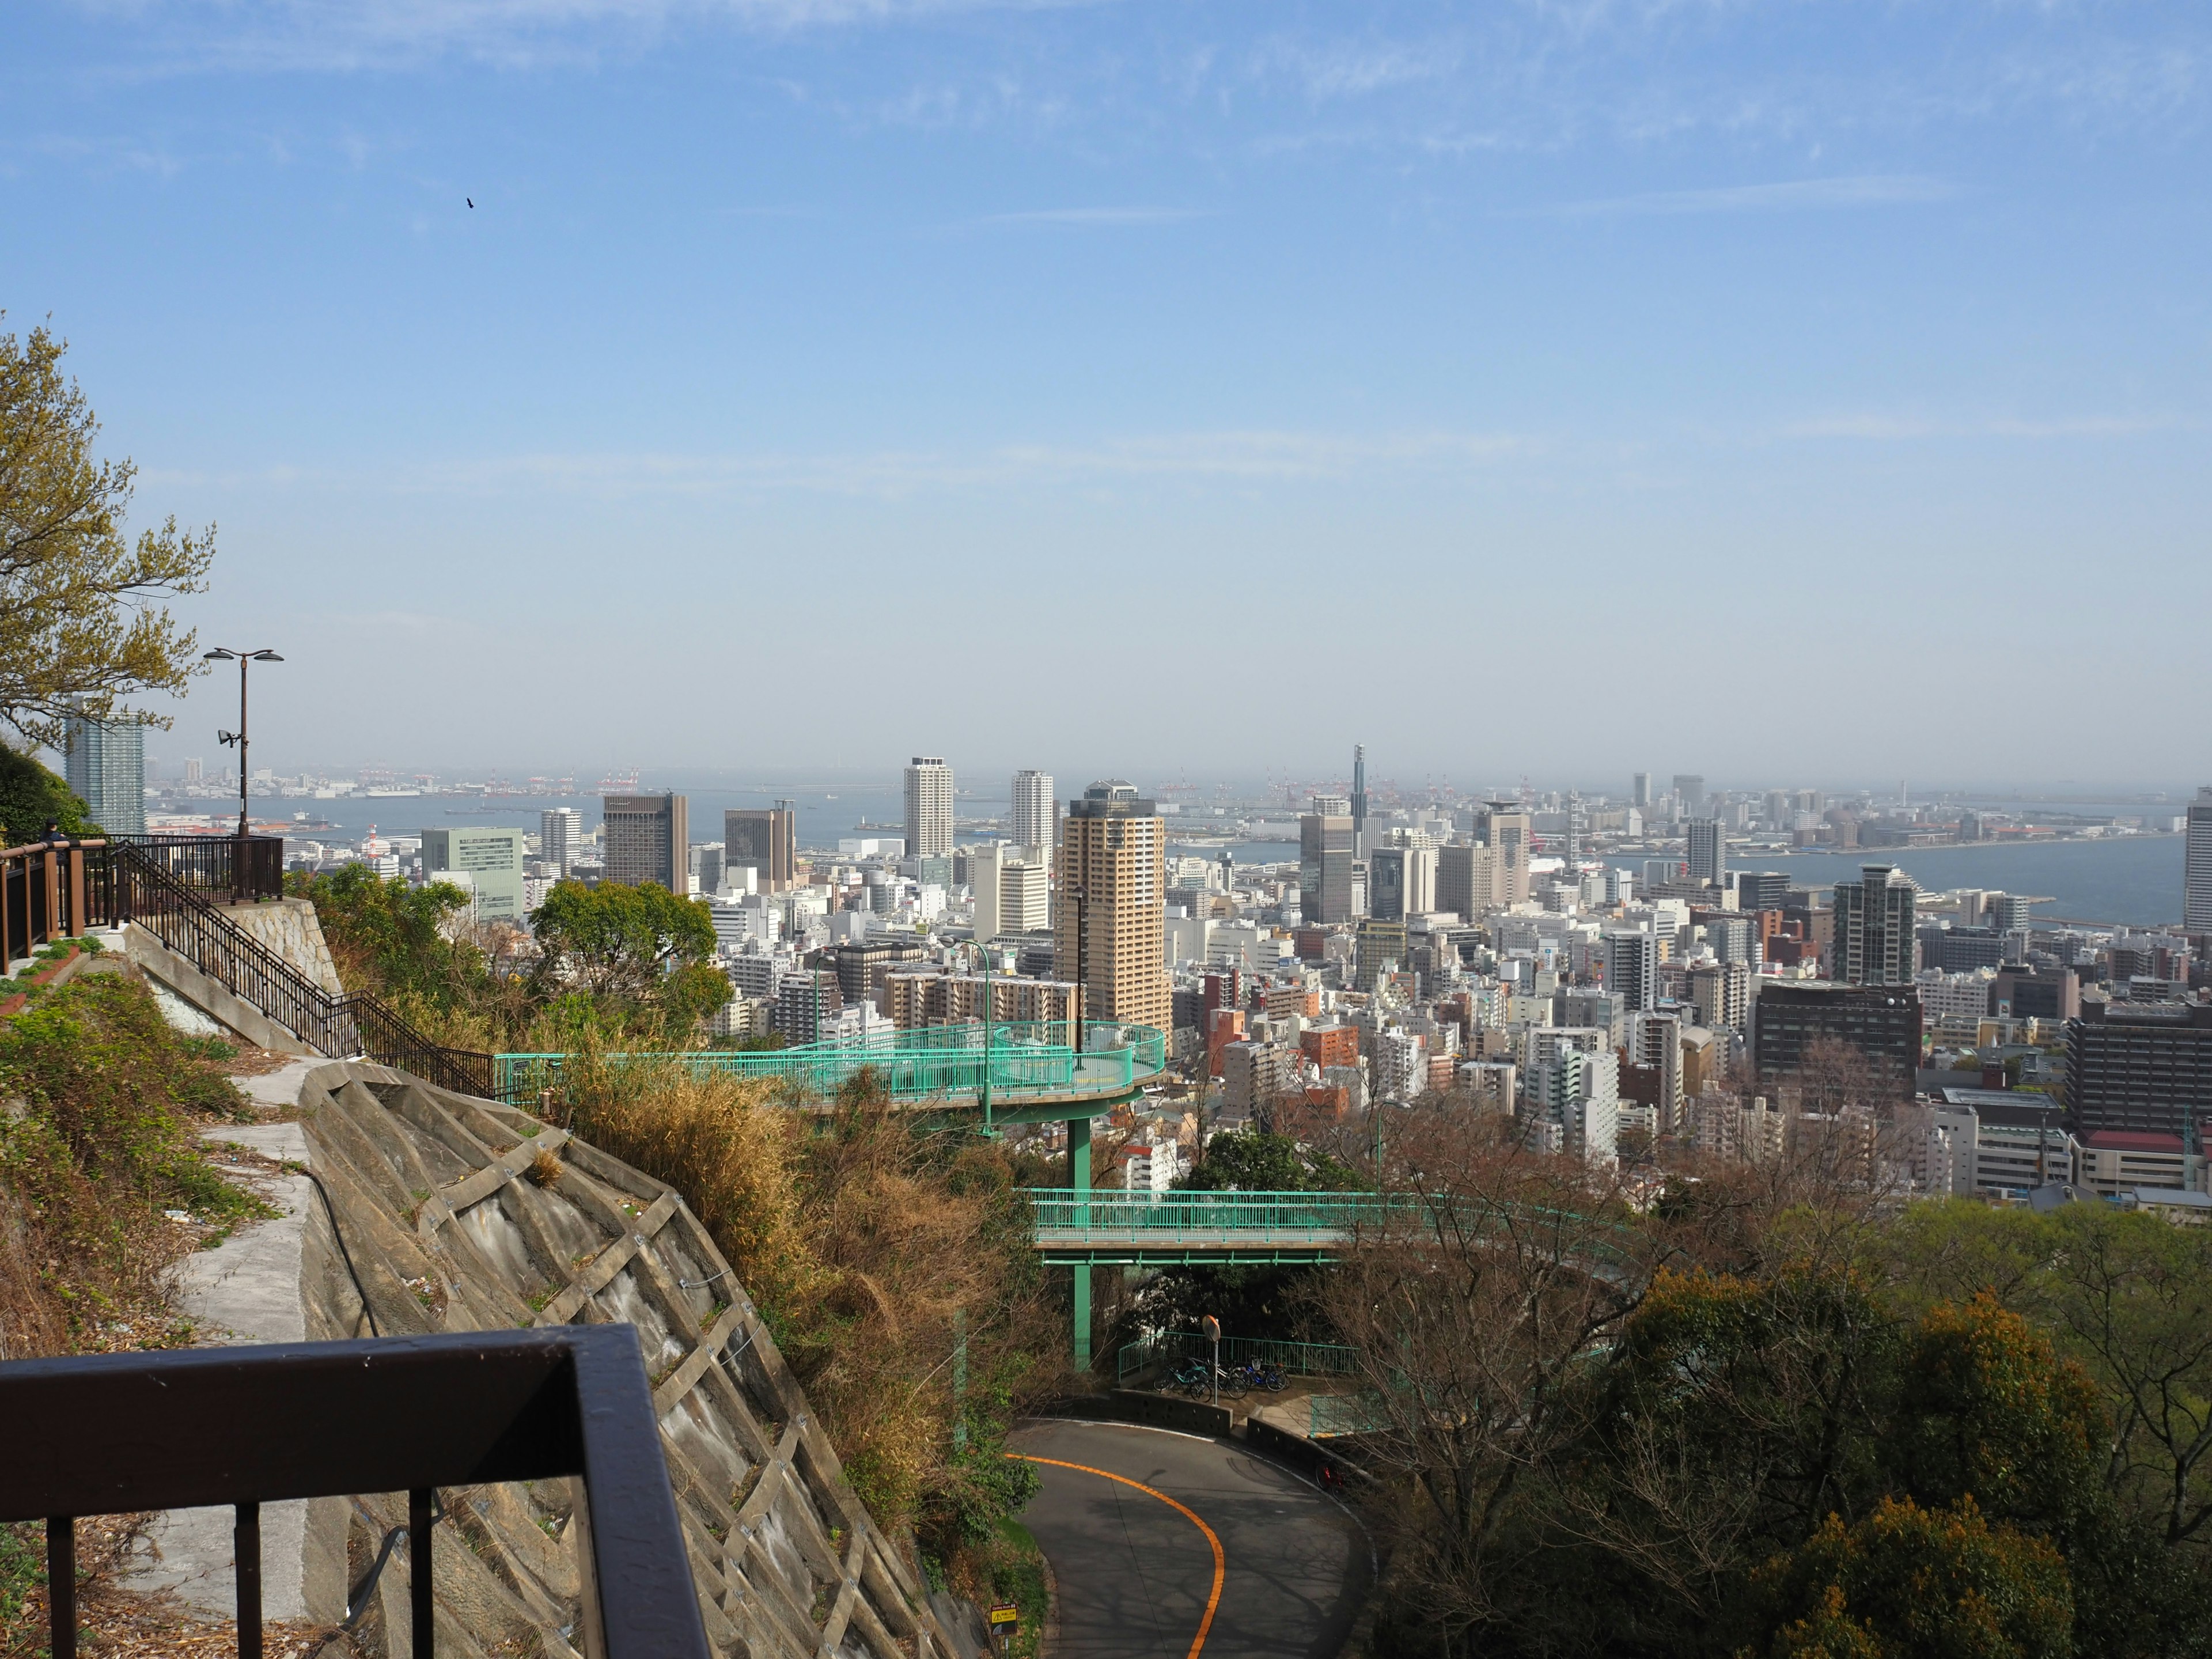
(1137, 1568)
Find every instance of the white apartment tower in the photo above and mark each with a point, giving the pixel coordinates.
(2197, 867)
(928, 808)
(560, 835)
(1036, 824)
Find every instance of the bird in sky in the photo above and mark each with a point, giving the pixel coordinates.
(471, 200)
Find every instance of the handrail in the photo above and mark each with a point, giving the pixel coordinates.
(246, 1426)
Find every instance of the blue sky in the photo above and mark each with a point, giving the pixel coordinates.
(1813, 390)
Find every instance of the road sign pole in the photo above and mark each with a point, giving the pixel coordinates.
(1212, 1329)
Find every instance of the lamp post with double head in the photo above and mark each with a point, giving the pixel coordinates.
(238, 864)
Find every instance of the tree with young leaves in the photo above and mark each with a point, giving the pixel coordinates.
(82, 622)
(641, 946)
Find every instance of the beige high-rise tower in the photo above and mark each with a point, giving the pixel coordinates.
(928, 808)
(1107, 928)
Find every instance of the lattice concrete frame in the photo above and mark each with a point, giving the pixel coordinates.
(457, 1217)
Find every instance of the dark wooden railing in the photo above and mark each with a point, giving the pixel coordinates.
(172, 886)
(113, 1434)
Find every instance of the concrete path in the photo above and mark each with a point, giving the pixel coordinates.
(1136, 1574)
(246, 1289)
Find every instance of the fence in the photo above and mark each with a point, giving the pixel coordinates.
(1203, 1217)
(245, 1427)
(1019, 1058)
(1297, 1358)
(57, 889)
(1331, 1414)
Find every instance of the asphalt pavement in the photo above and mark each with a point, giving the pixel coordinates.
(1136, 1574)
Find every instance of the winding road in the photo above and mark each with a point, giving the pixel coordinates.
(1171, 1546)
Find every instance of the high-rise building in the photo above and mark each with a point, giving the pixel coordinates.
(1639, 791)
(1721, 993)
(1107, 931)
(928, 808)
(1708, 851)
(649, 839)
(1024, 897)
(2141, 1068)
(1883, 1023)
(764, 839)
(1036, 824)
(2197, 866)
(490, 857)
(1873, 942)
(1402, 882)
(1379, 949)
(1325, 860)
(1507, 832)
(104, 766)
(1359, 849)
(1690, 791)
(1631, 968)
(1465, 881)
(560, 837)
(1655, 1041)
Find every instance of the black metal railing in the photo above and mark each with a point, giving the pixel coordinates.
(114, 1434)
(209, 864)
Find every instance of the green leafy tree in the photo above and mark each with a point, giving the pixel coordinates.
(390, 937)
(1248, 1160)
(85, 624)
(31, 798)
(638, 944)
(1908, 1583)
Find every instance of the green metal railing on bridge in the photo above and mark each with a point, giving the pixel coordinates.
(1297, 1358)
(1022, 1061)
(1199, 1218)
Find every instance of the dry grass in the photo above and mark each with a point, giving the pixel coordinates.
(864, 1243)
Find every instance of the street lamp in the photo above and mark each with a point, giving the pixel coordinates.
(990, 1012)
(238, 888)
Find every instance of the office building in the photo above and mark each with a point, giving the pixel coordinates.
(1359, 802)
(1507, 831)
(1639, 792)
(2197, 866)
(559, 837)
(1466, 881)
(104, 766)
(1107, 931)
(1024, 897)
(764, 839)
(1631, 968)
(1325, 861)
(1883, 1023)
(2141, 1068)
(1036, 818)
(1761, 890)
(1379, 949)
(490, 857)
(1873, 942)
(648, 838)
(928, 808)
(1689, 793)
(1708, 851)
(1402, 882)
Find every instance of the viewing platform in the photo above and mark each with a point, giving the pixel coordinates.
(1022, 1071)
(1099, 1228)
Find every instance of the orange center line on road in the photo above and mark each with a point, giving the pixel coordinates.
(1213, 1600)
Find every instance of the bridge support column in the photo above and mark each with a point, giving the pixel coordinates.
(1079, 1179)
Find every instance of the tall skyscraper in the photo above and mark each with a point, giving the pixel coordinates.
(1690, 791)
(764, 839)
(1631, 968)
(1325, 861)
(649, 839)
(928, 808)
(1106, 932)
(105, 768)
(1874, 941)
(1639, 791)
(1035, 823)
(1708, 851)
(1507, 831)
(1465, 881)
(1359, 849)
(1385, 883)
(560, 835)
(2197, 867)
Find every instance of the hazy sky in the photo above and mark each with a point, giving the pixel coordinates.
(1551, 386)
